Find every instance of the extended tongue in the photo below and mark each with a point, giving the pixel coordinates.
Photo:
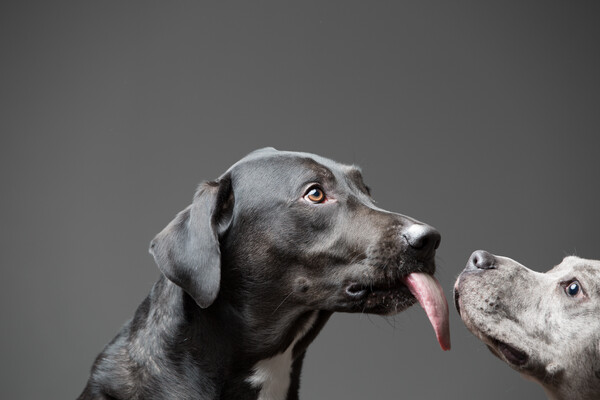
(430, 295)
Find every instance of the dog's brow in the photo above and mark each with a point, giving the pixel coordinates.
(354, 176)
(320, 171)
(585, 270)
(353, 170)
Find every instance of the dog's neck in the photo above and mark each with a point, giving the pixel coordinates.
(273, 375)
(554, 393)
(261, 356)
(565, 391)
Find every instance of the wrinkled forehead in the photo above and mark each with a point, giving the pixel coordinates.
(284, 168)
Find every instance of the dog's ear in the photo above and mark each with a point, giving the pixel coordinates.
(187, 251)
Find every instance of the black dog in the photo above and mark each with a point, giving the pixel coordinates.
(253, 269)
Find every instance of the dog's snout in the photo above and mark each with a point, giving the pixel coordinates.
(422, 238)
(481, 259)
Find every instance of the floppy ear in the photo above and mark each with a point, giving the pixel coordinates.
(187, 251)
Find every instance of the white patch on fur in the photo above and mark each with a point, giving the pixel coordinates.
(273, 374)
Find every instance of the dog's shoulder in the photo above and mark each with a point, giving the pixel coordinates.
(150, 354)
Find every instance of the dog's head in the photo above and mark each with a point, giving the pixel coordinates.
(284, 230)
(545, 325)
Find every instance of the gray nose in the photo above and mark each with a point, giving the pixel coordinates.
(422, 238)
(481, 259)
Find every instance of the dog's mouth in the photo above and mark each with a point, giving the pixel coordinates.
(500, 349)
(456, 302)
(393, 297)
(507, 352)
(384, 298)
(376, 291)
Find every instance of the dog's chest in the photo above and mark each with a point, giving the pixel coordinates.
(273, 375)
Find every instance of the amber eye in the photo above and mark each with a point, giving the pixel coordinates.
(315, 195)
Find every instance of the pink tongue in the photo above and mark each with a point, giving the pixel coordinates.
(430, 295)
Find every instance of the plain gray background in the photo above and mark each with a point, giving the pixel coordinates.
(480, 118)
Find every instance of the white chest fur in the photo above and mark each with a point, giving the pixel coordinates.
(272, 375)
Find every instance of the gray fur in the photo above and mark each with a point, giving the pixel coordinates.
(557, 335)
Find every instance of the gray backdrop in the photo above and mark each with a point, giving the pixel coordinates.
(479, 118)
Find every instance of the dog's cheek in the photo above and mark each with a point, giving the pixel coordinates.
(474, 295)
(310, 292)
(302, 286)
(479, 305)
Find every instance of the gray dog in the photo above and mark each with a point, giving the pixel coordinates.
(253, 269)
(544, 325)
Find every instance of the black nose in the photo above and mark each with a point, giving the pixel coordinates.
(422, 238)
(481, 259)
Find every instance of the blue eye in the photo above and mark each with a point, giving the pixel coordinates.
(573, 289)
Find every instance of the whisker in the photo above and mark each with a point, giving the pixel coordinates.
(356, 257)
(387, 321)
(370, 320)
(283, 301)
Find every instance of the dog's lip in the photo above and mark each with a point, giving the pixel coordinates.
(508, 352)
(501, 349)
(456, 302)
(358, 290)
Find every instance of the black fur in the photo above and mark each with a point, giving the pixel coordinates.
(245, 267)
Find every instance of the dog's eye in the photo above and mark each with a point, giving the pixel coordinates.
(315, 195)
(573, 289)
